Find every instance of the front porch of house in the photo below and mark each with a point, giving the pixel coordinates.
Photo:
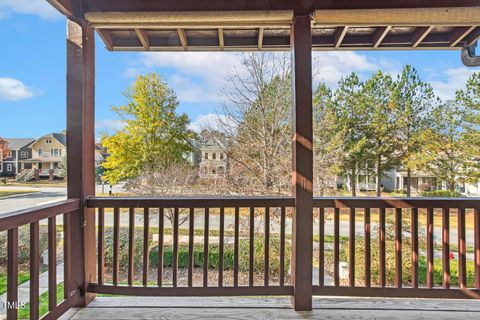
(272, 308)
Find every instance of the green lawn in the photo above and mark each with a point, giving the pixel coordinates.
(4, 193)
(24, 313)
(22, 277)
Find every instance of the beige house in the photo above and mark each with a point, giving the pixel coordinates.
(48, 152)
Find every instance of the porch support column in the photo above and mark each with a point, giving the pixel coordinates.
(80, 226)
(302, 172)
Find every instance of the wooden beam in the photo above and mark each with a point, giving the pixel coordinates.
(340, 33)
(448, 16)
(182, 35)
(379, 35)
(64, 6)
(221, 39)
(302, 161)
(158, 20)
(106, 36)
(300, 7)
(80, 226)
(471, 38)
(419, 34)
(459, 33)
(143, 37)
(260, 38)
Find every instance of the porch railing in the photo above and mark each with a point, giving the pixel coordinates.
(225, 222)
(12, 223)
(402, 215)
(222, 246)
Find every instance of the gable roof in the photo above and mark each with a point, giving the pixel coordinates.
(60, 137)
(18, 143)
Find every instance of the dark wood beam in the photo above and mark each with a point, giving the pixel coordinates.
(221, 39)
(379, 35)
(340, 33)
(64, 6)
(302, 171)
(260, 38)
(107, 38)
(80, 226)
(472, 37)
(182, 35)
(143, 37)
(419, 34)
(304, 7)
(459, 33)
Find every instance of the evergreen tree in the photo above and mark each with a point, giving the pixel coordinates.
(383, 144)
(414, 100)
(352, 119)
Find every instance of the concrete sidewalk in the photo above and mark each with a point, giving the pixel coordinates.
(24, 290)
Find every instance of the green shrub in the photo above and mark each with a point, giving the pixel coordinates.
(24, 244)
(440, 194)
(438, 272)
(213, 253)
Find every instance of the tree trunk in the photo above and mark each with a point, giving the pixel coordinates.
(353, 184)
(379, 175)
(409, 177)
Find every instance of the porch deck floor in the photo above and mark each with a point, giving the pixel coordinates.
(273, 308)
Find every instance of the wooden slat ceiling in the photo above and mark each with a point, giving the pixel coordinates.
(359, 29)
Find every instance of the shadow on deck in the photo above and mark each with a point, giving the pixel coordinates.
(273, 308)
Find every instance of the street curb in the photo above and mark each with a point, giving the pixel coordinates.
(18, 195)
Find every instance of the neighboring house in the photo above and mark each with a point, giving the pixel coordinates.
(213, 159)
(48, 152)
(396, 179)
(100, 154)
(193, 157)
(19, 150)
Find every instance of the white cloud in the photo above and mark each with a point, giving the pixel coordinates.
(14, 90)
(198, 76)
(330, 67)
(40, 8)
(447, 82)
(211, 121)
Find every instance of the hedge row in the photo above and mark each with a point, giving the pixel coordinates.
(183, 254)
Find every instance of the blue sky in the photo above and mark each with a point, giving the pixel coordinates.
(32, 72)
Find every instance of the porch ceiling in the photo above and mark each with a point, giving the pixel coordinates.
(352, 29)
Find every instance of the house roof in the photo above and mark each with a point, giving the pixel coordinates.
(18, 143)
(60, 137)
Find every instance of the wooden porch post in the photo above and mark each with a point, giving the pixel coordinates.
(302, 173)
(80, 226)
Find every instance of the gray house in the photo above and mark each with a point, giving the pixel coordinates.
(19, 150)
(213, 158)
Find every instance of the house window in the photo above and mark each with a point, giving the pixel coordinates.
(221, 156)
(55, 152)
(214, 156)
(9, 167)
(40, 151)
(220, 170)
(206, 155)
(48, 141)
(24, 154)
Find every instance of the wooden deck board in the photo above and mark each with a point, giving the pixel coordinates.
(274, 308)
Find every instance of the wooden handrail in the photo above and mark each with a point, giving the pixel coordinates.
(318, 202)
(22, 217)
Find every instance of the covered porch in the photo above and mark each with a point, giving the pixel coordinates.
(308, 265)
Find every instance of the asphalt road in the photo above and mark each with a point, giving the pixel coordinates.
(52, 194)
